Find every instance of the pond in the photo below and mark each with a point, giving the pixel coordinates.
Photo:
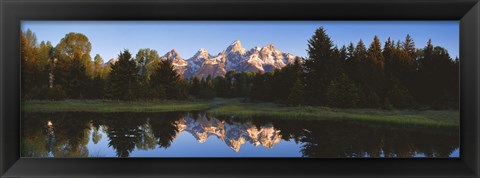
(195, 134)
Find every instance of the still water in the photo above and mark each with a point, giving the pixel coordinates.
(195, 134)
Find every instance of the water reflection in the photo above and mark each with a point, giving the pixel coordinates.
(200, 135)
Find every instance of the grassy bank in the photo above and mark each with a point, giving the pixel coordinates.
(113, 106)
(239, 109)
(403, 117)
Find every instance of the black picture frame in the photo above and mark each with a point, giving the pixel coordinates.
(13, 11)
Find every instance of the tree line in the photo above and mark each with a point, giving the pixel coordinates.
(354, 76)
(397, 75)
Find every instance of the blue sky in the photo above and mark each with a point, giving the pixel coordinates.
(108, 38)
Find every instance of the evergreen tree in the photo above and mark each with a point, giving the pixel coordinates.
(293, 83)
(342, 92)
(343, 54)
(168, 78)
(388, 49)
(182, 89)
(262, 87)
(241, 85)
(206, 90)
(350, 51)
(195, 86)
(374, 73)
(122, 82)
(389, 52)
(96, 88)
(409, 48)
(375, 55)
(295, 98)
(355, 63)
(77, 80)
(398, 95)
(437, 77)
(221, 87)
(407, 63)
(322, 66)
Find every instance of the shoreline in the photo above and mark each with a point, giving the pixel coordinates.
(244, 110)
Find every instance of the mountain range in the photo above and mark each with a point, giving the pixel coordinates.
(234, 57)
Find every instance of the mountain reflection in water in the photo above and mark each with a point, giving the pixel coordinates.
(199, 135)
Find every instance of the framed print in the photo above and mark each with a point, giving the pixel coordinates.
(202, 88)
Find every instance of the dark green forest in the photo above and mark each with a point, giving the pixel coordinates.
(392, 75)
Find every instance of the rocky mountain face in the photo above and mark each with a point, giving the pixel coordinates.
(237, 58)
(234, 57)
(179, 64)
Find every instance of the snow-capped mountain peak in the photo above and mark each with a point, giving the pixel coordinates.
(179, 64)
(172, 54)
(202, 53)
(234, 57)
(269, 47)
(196, 61)
(236, 47)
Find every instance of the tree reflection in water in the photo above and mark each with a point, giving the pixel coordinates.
(68, 134)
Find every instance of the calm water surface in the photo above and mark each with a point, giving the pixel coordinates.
(194, 134)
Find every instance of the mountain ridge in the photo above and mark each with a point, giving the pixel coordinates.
(202, 64)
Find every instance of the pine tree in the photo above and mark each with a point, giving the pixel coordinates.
(167, 77)
(375, 55)
(123, 81)
(438, 76)
(407, 63)
(343, 53)
(206, 90)
(360, 54)
(350, 51)
(77, 80)
(295, 98)
(322, 66)
(398, 95)
(220, 87)
(388, 49)
(342, 93)
(389, 52)
(409, 47)
(374, 73)
(241, 85)
(425, 80)
(195, 86)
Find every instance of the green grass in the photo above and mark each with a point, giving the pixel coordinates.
(402, 117)
(246, 110)
(113, 106)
